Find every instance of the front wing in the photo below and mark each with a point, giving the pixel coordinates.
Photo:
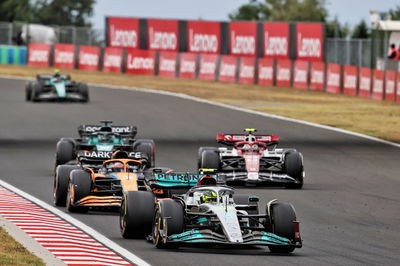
(255, 238)
(256, 178)
(100, 201)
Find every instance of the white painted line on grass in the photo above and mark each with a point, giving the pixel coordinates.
(93, 233)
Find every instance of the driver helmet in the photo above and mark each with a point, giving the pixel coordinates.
(209, 197)
(56, 73)
(118, 167)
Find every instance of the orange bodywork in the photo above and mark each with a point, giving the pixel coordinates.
(128, 182)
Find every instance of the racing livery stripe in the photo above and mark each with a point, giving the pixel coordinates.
(66, 242)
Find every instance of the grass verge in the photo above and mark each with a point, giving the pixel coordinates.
(370, 117)
(13, 253)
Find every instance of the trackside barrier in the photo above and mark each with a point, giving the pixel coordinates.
(311, 75)
(13, 55)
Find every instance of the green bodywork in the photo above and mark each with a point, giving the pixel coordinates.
(59, 86)
(105, 143)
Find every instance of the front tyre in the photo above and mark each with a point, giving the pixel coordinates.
(61, 179)
(136, 214)
(210, 160)
(80, 185)
(282, 217)
(168, 220)
(294, 168)
(28, 91)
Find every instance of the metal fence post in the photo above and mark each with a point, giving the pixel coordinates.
(10, 32)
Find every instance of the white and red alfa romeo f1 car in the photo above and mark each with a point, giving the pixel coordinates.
(253, 159)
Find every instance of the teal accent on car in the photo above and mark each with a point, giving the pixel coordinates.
(105, 147)
(275, 239)
(59, 87)
(178, 179)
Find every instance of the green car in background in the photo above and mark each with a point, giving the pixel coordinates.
(56, 87)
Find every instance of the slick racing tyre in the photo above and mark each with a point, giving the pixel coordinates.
(84, 91)
(64, 151)
(294, 168)
(28, 91)
(210, 160)
(136, 214)
(168, 220)
(146, 147)
(201, 149)
(61, 179)
(79, 187)
(36, 91)
(282, 216)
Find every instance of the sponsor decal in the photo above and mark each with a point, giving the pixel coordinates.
(163, 34)
(89, 57)
(167, 64)
(310, 41)
(38, 54)
(108, 154)
(283, 73)
(317, 76)
(115, 129)
(140, 62)
(390, 85)
(112, 59)
(204, 36)
(300, 77)
(64, 55)
(247, 70)
(243, 38)
(276, 40)
(333, 78)
(227, 69)
(208, 64)
(350, 81)
(187, 68)
(265, 72)
(365, 83)
(123, 32)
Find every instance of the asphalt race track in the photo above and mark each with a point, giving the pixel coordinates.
(349, 208)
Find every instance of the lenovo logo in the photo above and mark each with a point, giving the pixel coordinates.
(350, 81)
(333, 79)
(112, 60)
(203, 42)
(124, 38)
(378, 85)
(317, 77)
(88, 59)
(207, 68)
(167, 65)
(309, 47)
(283, 74)
(243, 44)
(162, 40)
(389, 86)
(300, 75)
(247, 72)
(227, 70)
(39, 56)
(140, 63)
(265, 73)
(188, 67)
(275, 45)
(365, 83)
(64, 57)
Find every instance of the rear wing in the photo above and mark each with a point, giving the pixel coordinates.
(124, 131)
(98, 157)
(231, 139)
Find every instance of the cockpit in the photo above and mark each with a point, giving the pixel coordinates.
(116, 166)
(211, 196)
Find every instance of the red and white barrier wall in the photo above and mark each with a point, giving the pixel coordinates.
(281, 72)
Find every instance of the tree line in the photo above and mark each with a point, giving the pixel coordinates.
(48, 12)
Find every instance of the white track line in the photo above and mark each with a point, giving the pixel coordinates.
(93, 233)
(196, 99)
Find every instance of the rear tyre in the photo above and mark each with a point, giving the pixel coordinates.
(168, 220)
(64, 151)
(283, 215)
(84, 91)
(294, 168)
(28, 91)
(61, 179)
(201, 149)
(136, 214)
(210, 160)
(146, 147)
(79, 187)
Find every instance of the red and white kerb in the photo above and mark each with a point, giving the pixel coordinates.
(66, 242)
